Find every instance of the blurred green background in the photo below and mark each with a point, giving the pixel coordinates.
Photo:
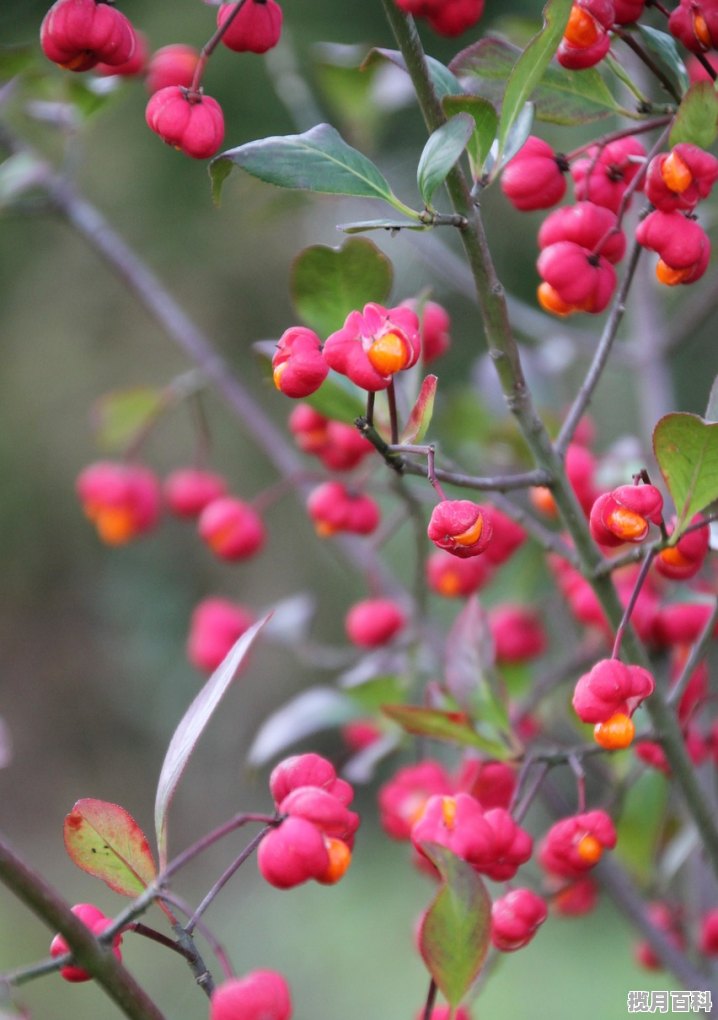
(94, 676)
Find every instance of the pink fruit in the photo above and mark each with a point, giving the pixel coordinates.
(515, 919)
(586, 40)
(188, 491)
(459, 526)
(602, 174)
(574, 845)
(215, 626)
(298, 367)
(374, 622)
(189, 121)
(535, 177)
(121, 500)
(375, 344)
(255, 29)
(260, 995)
(231, 528)
(95, 920)
(78, 34)
(609, 688)
(334, 508)
(171, 65)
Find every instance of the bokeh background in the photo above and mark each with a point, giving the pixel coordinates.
(93, 674)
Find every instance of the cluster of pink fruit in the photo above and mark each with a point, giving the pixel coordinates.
(588, 34)
(316, 835)
(83, 35)
(580, 244)
(470, 814)
(125, 500)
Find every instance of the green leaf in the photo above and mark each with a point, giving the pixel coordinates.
(191, 727)
(348, 90)
(118, 418)
(441, 152)
(339, 399)
(455, 931)
(641, 823)
(686, 448)
(89, 96)
(421, 413)
(485, 122)
(318, 708)
(697, 118)
(370, 695)
(15, 59)
(318, 160)
(560, 97)
(104, 840)
(530, 67)
(519, 132)
(452, 726)
(326, 284)
(663, 46)
(712, 408)
(444, 81)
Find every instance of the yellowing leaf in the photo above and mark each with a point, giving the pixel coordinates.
(104, 840)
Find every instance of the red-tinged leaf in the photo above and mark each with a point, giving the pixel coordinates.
(454, 727)
(469, 671)
(104, 840)
(469, 652)
(455, 930)
(686, 448)
(420, 417)
(191, 728)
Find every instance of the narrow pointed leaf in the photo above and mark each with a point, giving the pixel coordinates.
(104, 840)
(485, 123)
(686, 448)
(455, 931)
(192, 726)
(454, 727)
(441, 152)
(420, 417)
(318, 160)
(316, 709)
(518, 133)
(444, 81)
(697, 118)
(327, 284)
(531, 65)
